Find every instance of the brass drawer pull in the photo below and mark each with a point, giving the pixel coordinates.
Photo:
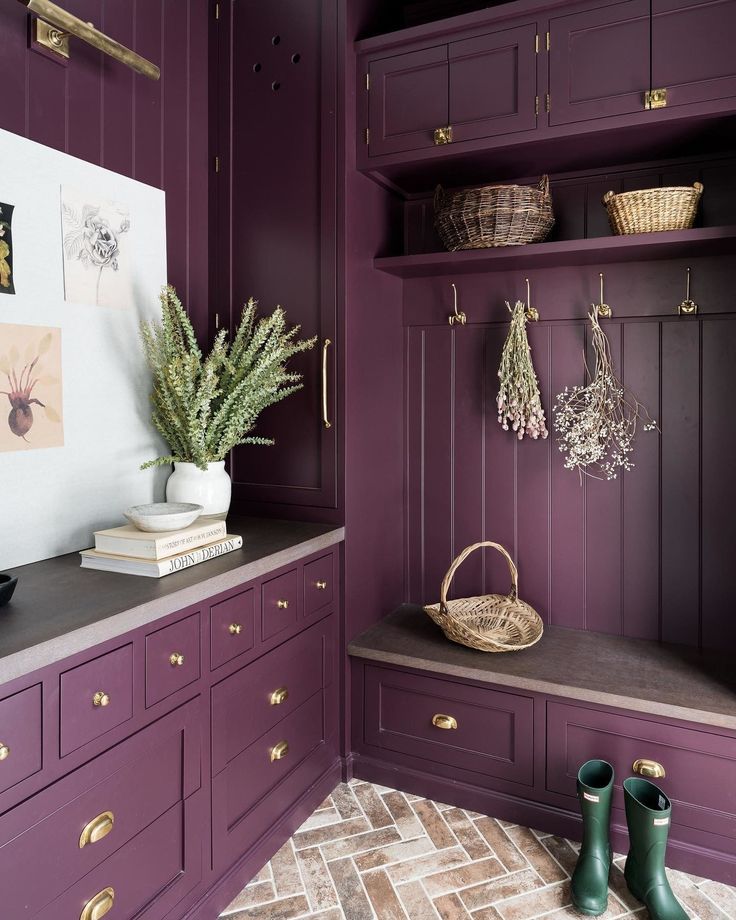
(101, 699)
(176, 659)
(4, 752)
(321, 585)
(443, 135)
(282, 605)
(279, 751)
(649, 768)
(235, 629)
(443, 721)
(99, 905)
(279, 696)
(96, 829)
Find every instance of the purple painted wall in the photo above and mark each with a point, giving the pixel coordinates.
(99, 110)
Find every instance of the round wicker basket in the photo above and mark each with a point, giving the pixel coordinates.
(492, 622)
(650, 210)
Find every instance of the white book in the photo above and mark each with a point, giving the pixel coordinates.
(129, 541)
(94, 559)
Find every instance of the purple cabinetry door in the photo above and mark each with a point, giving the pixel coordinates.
(493, 84)
(408, 101)
(599, 62)
(693, 54)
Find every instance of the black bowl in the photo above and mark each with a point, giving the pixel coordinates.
(7, 586)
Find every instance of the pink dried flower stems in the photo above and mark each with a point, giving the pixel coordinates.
(519, 403)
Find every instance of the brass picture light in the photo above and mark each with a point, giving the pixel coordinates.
(55, 25)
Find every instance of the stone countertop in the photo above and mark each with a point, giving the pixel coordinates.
(59, 608)
(635, 674)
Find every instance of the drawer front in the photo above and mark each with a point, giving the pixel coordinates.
(249, 703)
(231, 628)
(74, 826)
(279, 604)
(491, 731)
(172, 659)
(96, 697)
(20, 736)
(700, 766)
(318, 584)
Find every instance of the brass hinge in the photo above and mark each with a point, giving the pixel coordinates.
(548, 41)
(536, 44)
(536, 105)
(217, 164)
(655, 99)
(367, 135)
(368, 82)
(547, 103)
(217, 11)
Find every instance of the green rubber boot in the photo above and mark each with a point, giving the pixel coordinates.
(590, 878)
(648, 813)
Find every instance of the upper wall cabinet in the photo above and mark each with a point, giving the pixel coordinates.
(455, 92)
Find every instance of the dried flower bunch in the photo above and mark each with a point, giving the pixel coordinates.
(204, 408)
(596, 424)
(518, 401)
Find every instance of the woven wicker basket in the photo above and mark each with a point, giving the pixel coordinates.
(493, 215)
(653, 209)
(491, 623)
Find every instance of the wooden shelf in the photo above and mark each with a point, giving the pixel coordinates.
(640, 247)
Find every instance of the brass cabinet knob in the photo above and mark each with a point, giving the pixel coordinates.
(443, 135)
(4, 752)
(96, 829)
(99, 905)
(279, 696)
(442, 721)
(282, 605)
(321, 585)
(235, 629)
(176, 659)
(279, 751)
(649, 768)
(101, 699)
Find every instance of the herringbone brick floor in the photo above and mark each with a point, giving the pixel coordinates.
(369, 852)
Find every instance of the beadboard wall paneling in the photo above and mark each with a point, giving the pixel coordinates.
(636, 556)
(99, 110)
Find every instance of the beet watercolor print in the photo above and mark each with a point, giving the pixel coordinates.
(30, 388)
(7, 284)
(97, 242)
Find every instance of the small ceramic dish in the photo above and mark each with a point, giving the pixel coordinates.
(161, 517)
(7, 586)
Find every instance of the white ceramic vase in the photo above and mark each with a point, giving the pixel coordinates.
(210, 488)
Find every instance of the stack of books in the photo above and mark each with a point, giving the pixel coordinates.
(133, 552)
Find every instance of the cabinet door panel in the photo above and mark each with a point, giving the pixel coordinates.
(493, 84)
(693, 49)
(408, 101)
(599, 62)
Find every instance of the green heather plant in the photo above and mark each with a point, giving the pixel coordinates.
(204, 408)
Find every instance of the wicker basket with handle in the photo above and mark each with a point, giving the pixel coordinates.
(492, 622)
(650, 210)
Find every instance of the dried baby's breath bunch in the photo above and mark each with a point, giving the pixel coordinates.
(518, 401)
(596, 424)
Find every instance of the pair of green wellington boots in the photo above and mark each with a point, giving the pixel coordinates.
(648, 813)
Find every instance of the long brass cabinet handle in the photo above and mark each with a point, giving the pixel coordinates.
(4, 751)
(325, 413)
(649, 768)
(101, 904)
(442, 721)
(97, 829)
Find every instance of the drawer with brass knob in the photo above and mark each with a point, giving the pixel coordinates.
(279, 604)
(318, 584)
(96, 697)
(20, 737)
(172, 658)
(231, 627)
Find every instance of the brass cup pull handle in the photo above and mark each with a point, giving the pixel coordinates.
(235, 629)
(282, 605)
(325, 411)
(4, 752)
(278, 696)
(442, 721)
(443, 135)
(100, 699)
(176, 659)
(99, 905)
(321, 586)
(279, 751)
(649, 768)
(97, 829)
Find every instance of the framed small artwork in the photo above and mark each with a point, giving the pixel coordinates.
(30, 387)
(97, 234)
(7, 284)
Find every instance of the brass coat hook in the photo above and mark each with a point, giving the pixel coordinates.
(688, 307)
(531, 312)
(457, 317)
(602, 307)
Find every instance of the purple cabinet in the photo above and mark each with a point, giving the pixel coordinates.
(20, 736)
(319, 584)
(172, 659)
(232, 629)
(599, 62)
(280, 599)
(693, 49)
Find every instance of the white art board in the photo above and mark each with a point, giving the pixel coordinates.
(52, 498)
